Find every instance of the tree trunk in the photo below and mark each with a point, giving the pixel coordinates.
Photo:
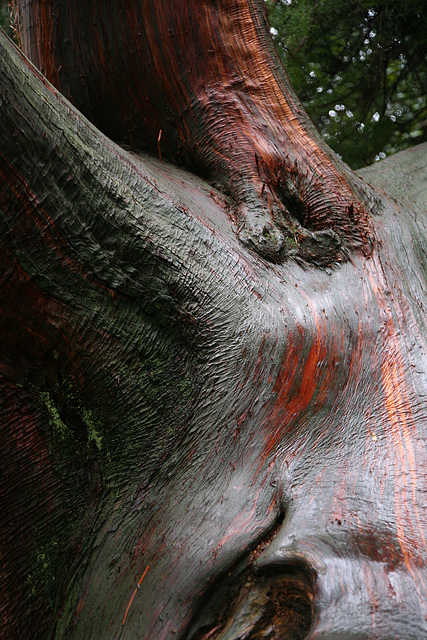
(200, 84)
(213, 401)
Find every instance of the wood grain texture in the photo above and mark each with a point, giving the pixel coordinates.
(199, 82)
(198, 443)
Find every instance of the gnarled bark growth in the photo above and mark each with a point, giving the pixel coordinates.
(200, 84)
(199, 443)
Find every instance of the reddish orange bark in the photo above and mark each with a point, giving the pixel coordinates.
(200, 84)
(199, 443)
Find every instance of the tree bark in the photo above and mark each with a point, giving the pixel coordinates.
(201, 84)
(198, 442)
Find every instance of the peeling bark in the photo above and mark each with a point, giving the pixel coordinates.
(199, 443)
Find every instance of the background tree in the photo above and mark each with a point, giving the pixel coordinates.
(204, 435)
(360, 69)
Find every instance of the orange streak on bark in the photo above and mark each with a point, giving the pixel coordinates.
(403, 427)
(134, 594)
(312, 379)
(401, 421)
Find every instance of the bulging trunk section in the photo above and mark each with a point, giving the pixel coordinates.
(199, 82)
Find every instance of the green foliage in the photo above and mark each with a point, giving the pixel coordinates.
(360, 69)
(6, 18)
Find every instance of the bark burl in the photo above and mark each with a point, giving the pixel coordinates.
(213, 404)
